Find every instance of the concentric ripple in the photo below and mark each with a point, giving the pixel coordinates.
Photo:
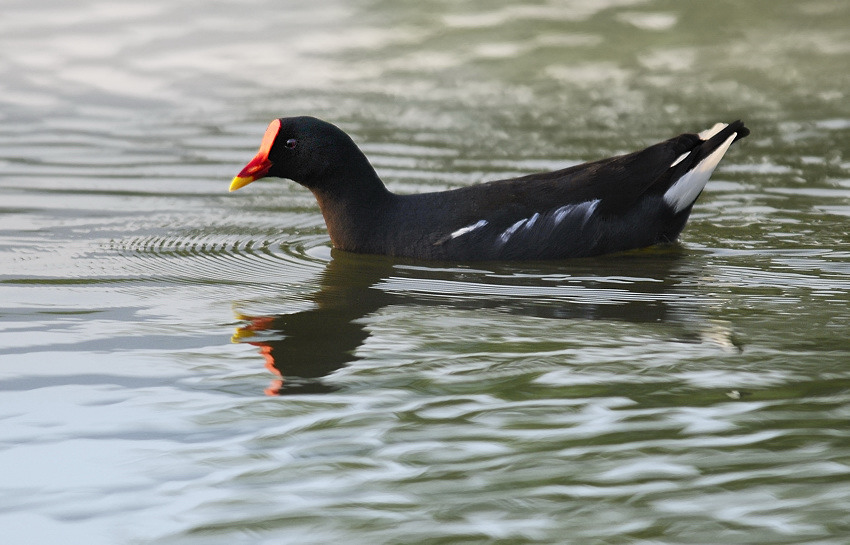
(212, 258)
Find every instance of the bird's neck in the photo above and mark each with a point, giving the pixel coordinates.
(353, 208)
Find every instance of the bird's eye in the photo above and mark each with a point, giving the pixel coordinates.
(291, 143)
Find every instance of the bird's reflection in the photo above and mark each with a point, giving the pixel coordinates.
(305, 346)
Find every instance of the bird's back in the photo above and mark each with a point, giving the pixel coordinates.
(614, 204)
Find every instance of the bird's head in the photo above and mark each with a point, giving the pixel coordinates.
(303, 149)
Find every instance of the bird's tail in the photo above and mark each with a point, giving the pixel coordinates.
(693, 168)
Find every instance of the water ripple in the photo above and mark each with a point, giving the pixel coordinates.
(223, 259)
(692, 394)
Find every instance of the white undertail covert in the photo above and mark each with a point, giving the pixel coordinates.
(686, 189)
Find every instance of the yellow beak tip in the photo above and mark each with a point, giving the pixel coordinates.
(240, 182)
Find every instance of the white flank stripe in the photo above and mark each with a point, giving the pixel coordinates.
(708, 133)
(511, 230)
(684, 192)
(590, 210)
(587, 208)
(584, 209)
(469, 228)
(562, 212)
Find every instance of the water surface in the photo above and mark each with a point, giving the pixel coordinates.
(183, 365)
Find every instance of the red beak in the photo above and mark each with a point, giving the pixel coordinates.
(260, 164)
(256, 169)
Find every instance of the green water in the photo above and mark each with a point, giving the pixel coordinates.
(183, 365)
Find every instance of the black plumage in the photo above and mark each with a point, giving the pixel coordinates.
(614, 204)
